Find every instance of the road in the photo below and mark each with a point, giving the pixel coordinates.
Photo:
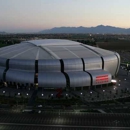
(65, 126)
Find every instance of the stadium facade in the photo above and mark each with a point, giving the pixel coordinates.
(53, 63)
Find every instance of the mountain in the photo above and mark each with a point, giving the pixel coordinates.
(101, 29)
(2, 32)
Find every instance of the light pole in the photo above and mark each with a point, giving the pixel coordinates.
(103, 93)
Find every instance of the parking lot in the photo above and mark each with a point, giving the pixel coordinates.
(59, 119)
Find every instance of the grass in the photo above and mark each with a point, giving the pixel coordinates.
(115, 45)
(3, 45)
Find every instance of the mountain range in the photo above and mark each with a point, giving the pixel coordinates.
(2, 32)
(100, 29)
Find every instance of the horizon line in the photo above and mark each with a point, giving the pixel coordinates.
(61, 27)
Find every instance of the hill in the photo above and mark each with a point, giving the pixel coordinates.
(101, 29)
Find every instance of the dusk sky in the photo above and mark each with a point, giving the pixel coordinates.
(36, 15)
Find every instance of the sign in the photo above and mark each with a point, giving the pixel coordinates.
(102, 79)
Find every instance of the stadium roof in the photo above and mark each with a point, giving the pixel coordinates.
(51, 49)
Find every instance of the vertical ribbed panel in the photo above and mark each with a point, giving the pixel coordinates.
(111, 64)
(5, 71)
(73, 65)
(3, 62)
(65, 74)
(28, 65)
(118, 65)
(49, 65)
(36, 72)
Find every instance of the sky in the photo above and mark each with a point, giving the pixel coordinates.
(36, 15)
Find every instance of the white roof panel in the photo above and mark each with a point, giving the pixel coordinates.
(48, 42)
(51, 49)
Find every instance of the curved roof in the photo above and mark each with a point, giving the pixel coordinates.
(51, 49)
(57, 64)
(52, 42)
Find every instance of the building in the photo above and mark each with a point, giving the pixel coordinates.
(53, 63)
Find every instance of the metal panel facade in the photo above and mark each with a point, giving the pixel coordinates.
(44, 54)
(49, 57)
(103, 52)
(73, 65)
(79, 79)
(21, 77)
(110, 64)
(1, 72)
(51, 80)
(2, 67)
(52, 42)
(93, 63)
(100, 77)
(16, 51)
(118, 56)
(27, 53)
(22, 64)
(49, 65)
(3, 62)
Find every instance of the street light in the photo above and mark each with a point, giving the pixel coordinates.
(42, 94)
(113, 81)
(27, 94)
(91, 93)
(3, 92)
(18, 94)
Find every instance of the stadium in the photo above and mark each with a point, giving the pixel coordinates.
(53, 63)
